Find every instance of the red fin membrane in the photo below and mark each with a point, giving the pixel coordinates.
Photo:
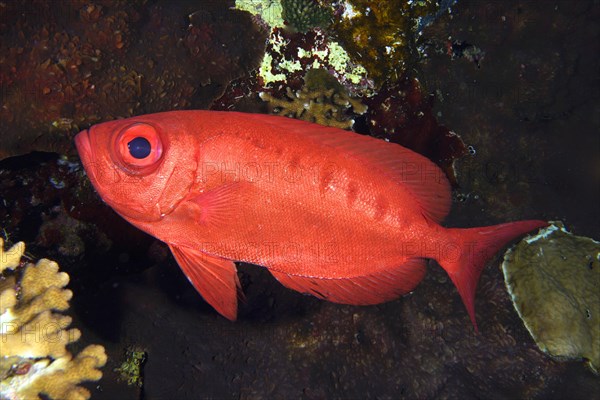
(360, 290)
(423, 178)
(477, 246)
(215, 278)
(219, 205)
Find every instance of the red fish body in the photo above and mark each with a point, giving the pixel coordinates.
(345, 217)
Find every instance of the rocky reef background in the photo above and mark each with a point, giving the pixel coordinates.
(516, 79)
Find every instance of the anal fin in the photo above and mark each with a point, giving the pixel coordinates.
(213, 277)
(375, 288)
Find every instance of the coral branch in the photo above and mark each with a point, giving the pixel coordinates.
(34, 359)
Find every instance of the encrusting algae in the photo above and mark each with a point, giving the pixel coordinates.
(34, 361)
(322, 99)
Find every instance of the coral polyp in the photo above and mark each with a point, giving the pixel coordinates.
(303, 15)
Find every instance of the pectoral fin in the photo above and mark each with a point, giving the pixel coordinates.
(213, 277)
(218, 206)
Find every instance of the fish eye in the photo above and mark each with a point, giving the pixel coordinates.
(139, 146)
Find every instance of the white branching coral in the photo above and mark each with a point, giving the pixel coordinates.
(34, 360)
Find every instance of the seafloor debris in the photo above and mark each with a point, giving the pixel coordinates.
(468, 51)
(34, 360)
(554, 280)
(322, 99)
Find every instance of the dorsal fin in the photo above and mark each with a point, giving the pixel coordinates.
(425, 180)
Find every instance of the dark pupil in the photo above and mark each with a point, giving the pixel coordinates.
(139, 147)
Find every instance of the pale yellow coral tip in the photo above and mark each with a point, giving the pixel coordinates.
(12, 257)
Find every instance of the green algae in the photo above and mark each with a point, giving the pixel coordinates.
(554, 281)
(131, 369)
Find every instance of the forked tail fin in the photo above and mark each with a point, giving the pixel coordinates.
(476, 246)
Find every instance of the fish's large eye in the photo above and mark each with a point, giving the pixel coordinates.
(139, 145)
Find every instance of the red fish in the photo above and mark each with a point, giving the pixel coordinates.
(345, 217)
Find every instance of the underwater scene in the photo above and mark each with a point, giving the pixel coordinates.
(299, 199)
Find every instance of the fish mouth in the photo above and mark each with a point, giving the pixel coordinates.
(82, 142)
(84, 148)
